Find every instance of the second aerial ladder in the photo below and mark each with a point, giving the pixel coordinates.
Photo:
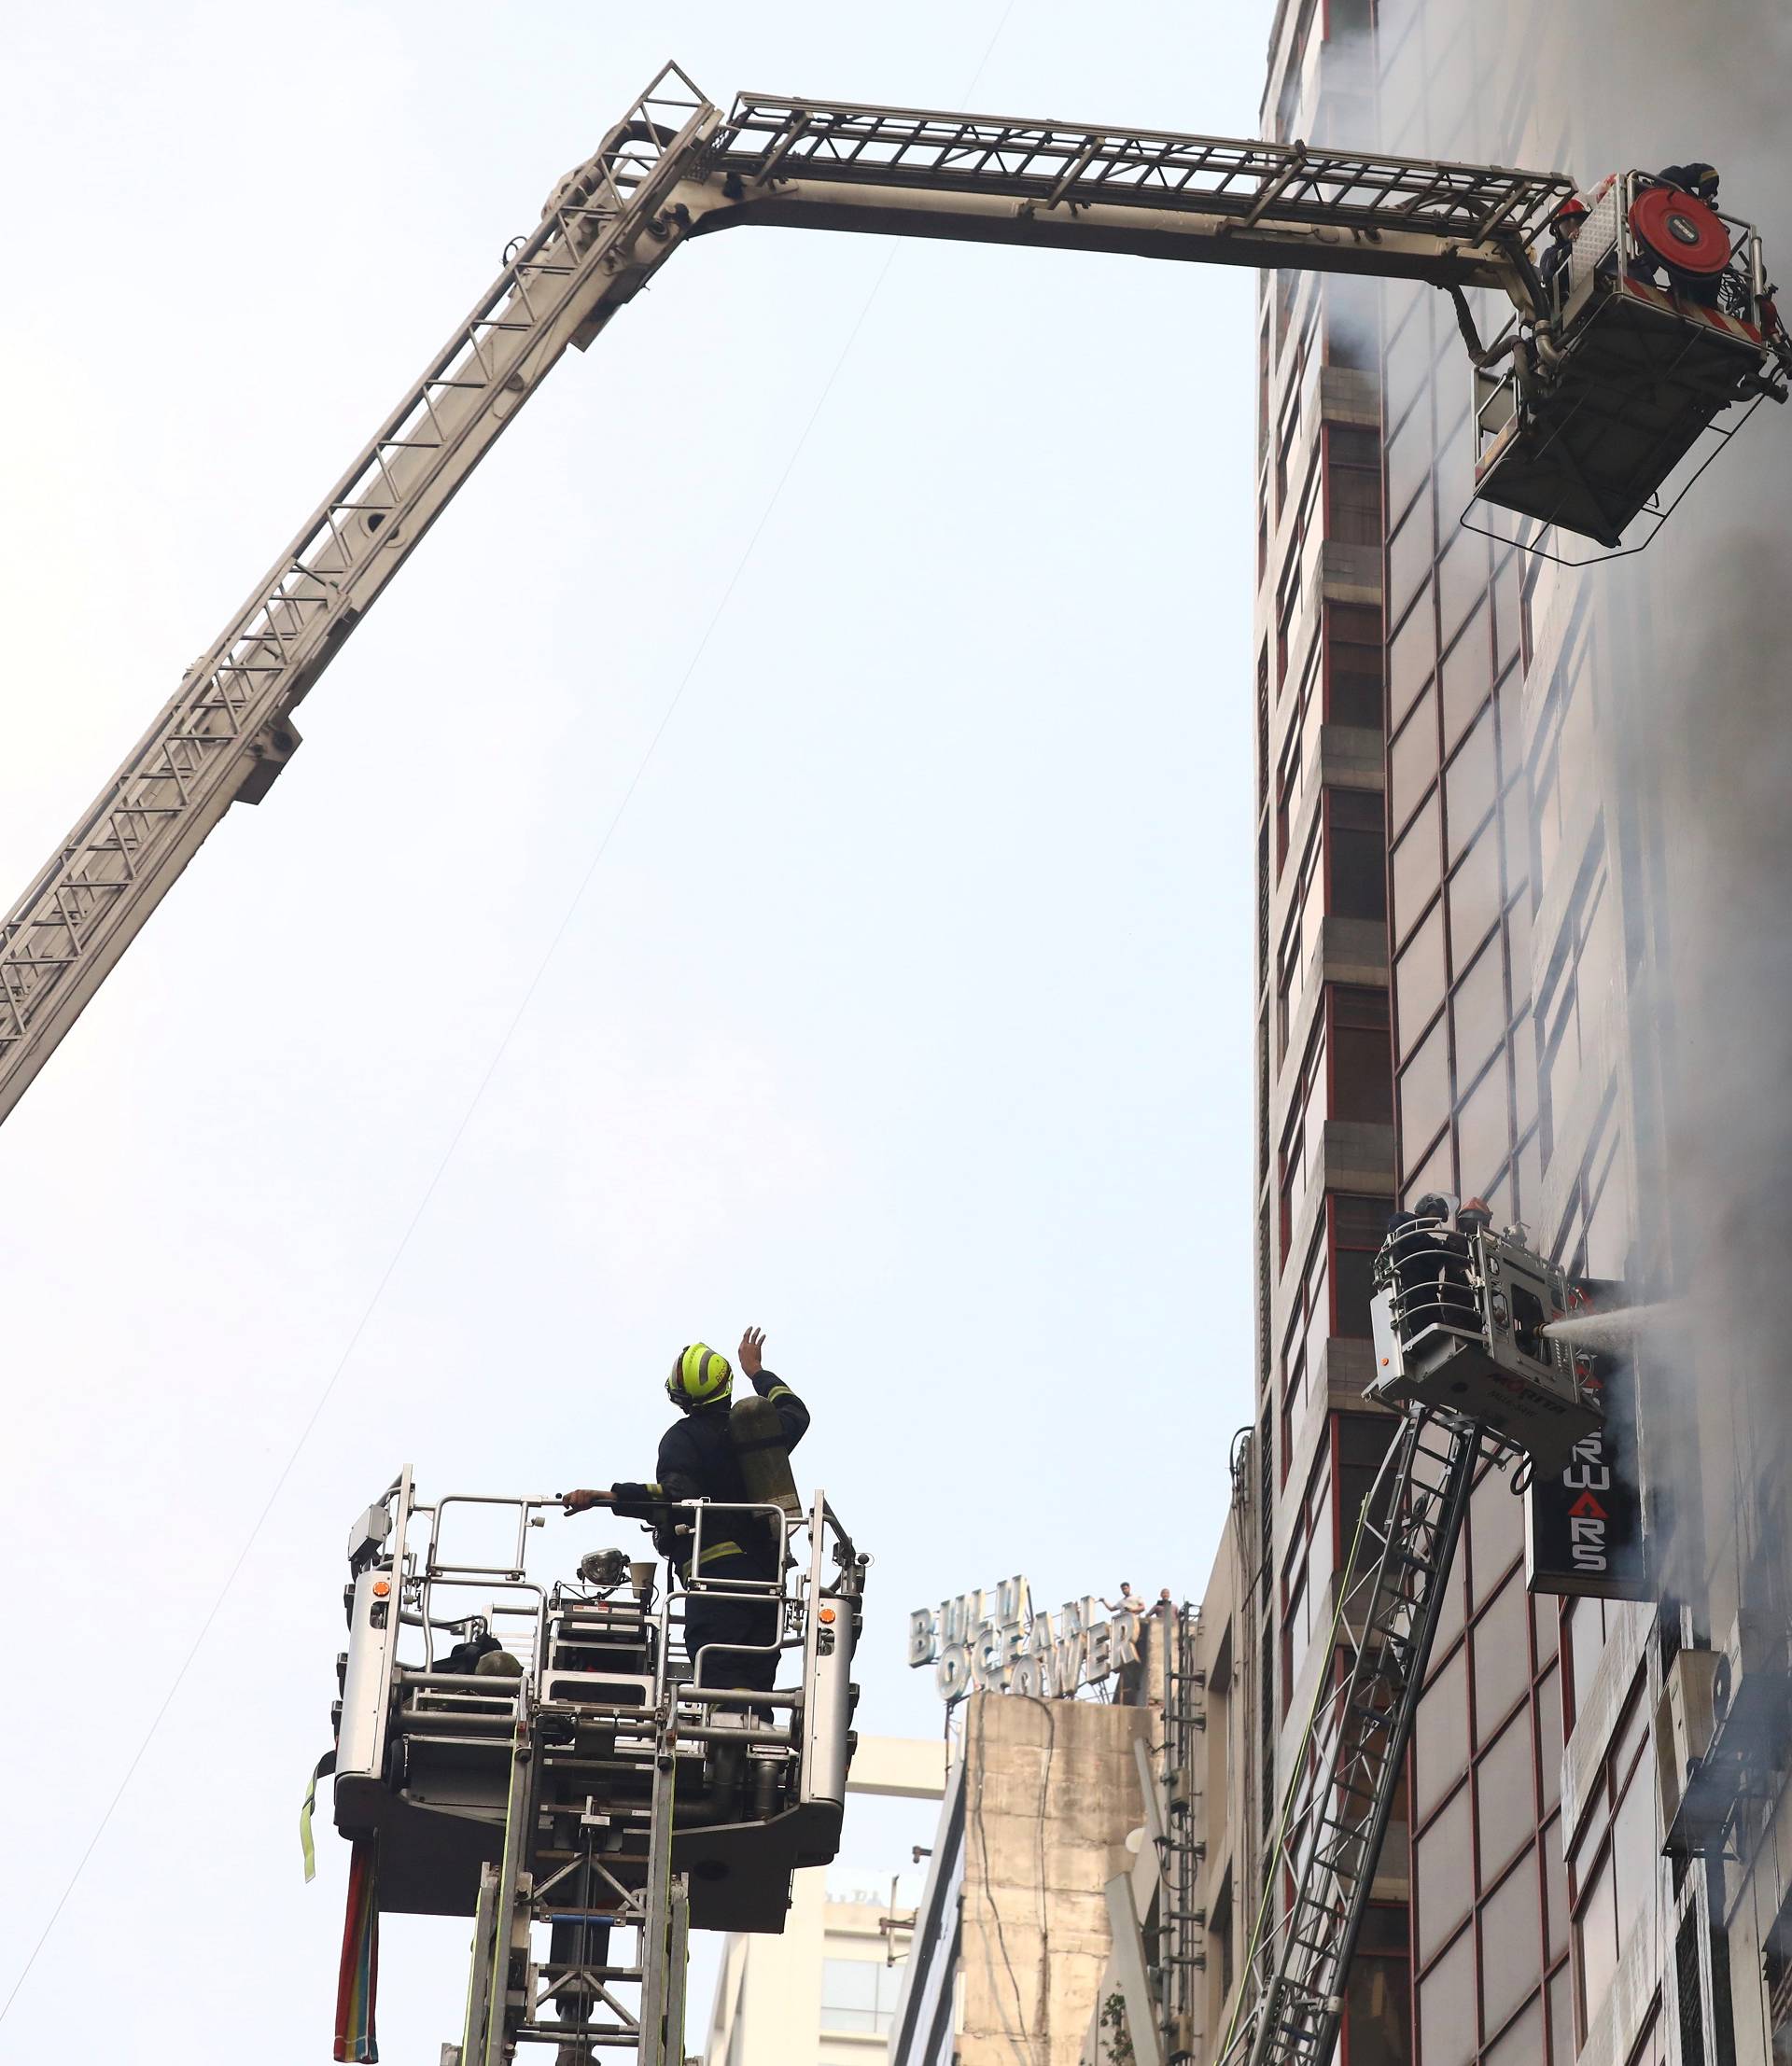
(675, 168)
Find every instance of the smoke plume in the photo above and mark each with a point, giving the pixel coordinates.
(1706, 756)
(1693, 762)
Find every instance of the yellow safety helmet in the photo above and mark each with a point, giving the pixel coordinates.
(699, 1376)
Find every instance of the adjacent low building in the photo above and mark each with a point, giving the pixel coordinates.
(824, 1991)
(1182, 1903)
(1014, 1933)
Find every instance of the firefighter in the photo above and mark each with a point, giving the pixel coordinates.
(1430, 1267)
(697, 1461)
(1564, 227)
(1697, 179)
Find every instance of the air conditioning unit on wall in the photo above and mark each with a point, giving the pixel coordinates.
(1754, 1680)
(1684, 1722)
(1737, 1703)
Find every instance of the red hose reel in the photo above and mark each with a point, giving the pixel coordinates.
(1681, 231)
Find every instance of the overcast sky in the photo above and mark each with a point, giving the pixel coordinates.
(907, 1014)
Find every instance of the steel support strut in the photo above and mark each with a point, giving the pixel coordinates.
(498, 1977)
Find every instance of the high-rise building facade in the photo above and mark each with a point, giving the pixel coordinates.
(1536, 1067)
(1326, 1173)
(1491, 702)
(1578, 982)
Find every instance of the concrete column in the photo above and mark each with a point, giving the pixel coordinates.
(1051, 1794)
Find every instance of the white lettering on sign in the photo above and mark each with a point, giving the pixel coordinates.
(995, 1643)
(1588, 1519)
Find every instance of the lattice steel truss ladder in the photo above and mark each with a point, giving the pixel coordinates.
(1341, 1793)
(227, 730)
(632, 2010)
(673, 168)
(1220, 200)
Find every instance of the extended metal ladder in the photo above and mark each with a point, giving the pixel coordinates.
(676, 166)
(1341, 1792)
(627, 2010)
(227, 730)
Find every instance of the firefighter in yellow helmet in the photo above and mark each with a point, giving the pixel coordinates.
(698, 1460)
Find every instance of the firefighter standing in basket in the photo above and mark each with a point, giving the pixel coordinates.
(699, 1459)
(1564, 227)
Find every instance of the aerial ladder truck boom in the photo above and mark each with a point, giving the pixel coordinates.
(1465, 1356)
(677, 167)
(1664, 320)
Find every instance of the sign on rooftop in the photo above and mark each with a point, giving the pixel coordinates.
(995, 1643)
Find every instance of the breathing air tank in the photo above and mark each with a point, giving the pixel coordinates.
(757, 1437)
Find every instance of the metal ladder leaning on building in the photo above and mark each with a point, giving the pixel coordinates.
(674, 168)
(1461, 1315)
(1340, 1797)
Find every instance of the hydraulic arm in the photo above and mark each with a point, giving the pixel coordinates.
(676, 167)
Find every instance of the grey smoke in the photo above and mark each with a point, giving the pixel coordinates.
(1696, 738)
(1705, 765)
(1707, 757)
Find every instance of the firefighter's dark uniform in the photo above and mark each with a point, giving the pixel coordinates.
(1430, 1267)
(697, 1461)
(1555, 262)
